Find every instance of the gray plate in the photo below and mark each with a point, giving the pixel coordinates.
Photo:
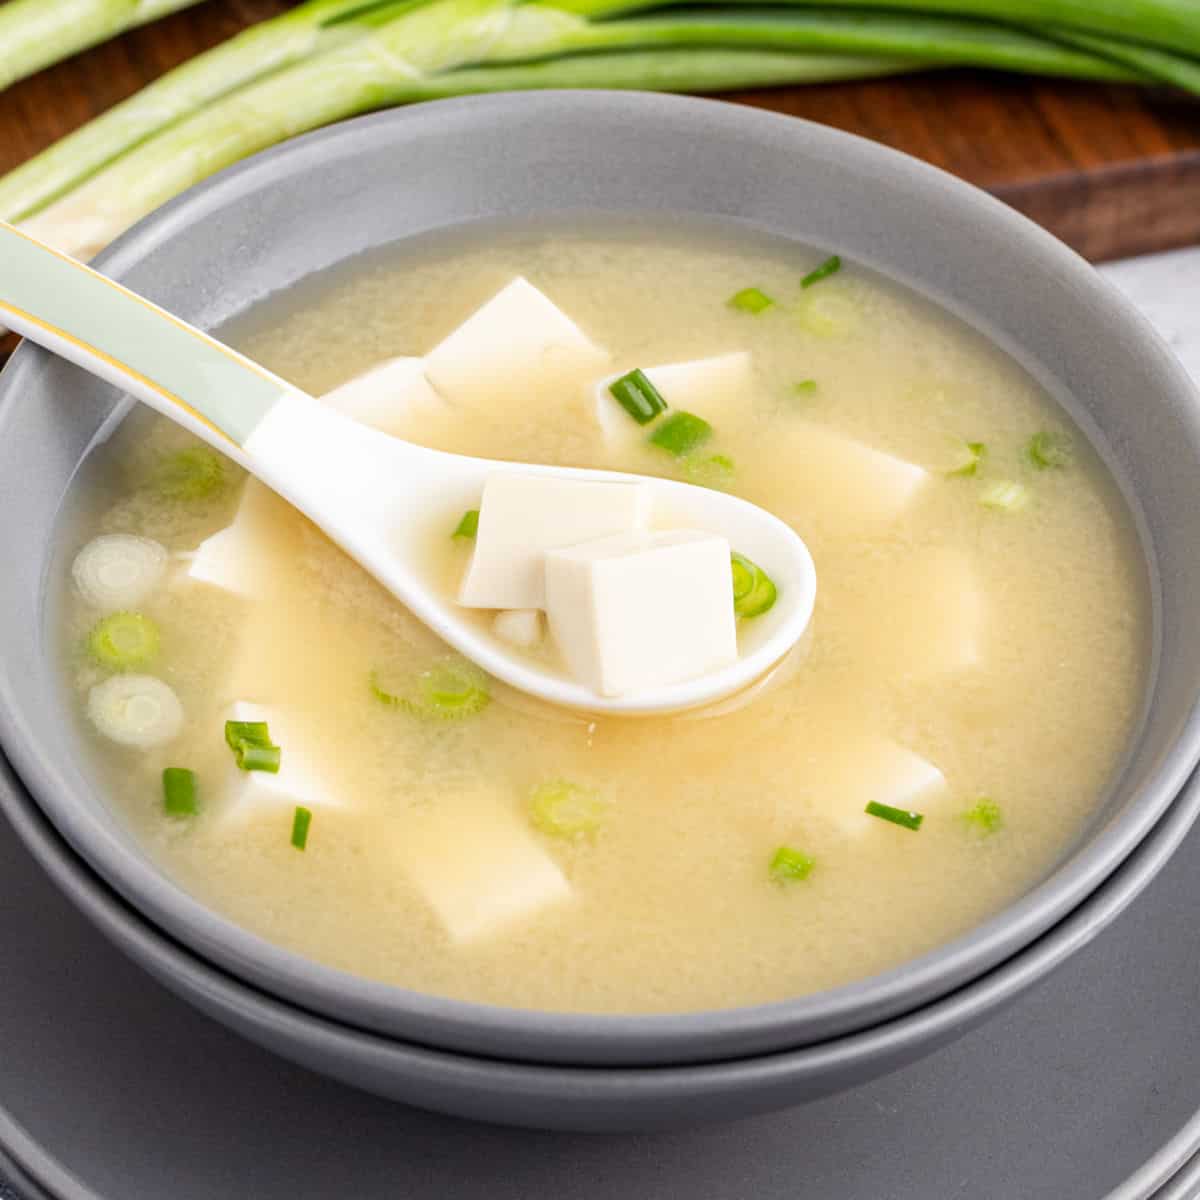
(111, 1089)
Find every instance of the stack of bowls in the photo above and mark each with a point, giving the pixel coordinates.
(319, 201)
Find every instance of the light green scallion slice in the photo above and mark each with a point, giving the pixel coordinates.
(681, 433)
(966, 457)
(1006, 495)
(827, 313)
(984, 816)
(716, 472)
(638, 396)
(192, 474)
(124, 641)
(790, 866)
(564, 809)
(1047, 450)
(754, 591)
(750, 300)
(179, 792)
(468, 526)
(301, 820)
(449, 689)
(252, 747)
(830, 266)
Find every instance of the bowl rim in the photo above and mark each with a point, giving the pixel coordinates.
(584, 1038)
(776, 1079)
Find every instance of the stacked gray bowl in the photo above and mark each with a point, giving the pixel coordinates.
(320, 201)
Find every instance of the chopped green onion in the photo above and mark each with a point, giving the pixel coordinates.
(135, 710)
(897, 816)
(448, 690)
(179, 792)
(831, 266)
(118, 571)
(468, 526)
(251, 744)
(123, 641)
(300, 823)
(790, 866)
(827, 313)
(754, 591)
(985, 816)
(681, 433)
(806, 387)
(1049, 450)
(968, 456)
(638, 396)
(750, 300)
(1006, 496)
(715, 472)
(191, 474)
(564, 809)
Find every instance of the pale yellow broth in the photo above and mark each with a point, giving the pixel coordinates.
(673, 907)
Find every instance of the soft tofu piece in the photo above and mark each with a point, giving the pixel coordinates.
(388, 397)
(881, 770)
(232, 558)
(520, 627)
(929, 617)
(523, 516)
(854, 486)
(477, 864)
(517, 342)
(642, 610)
(249, 795)
(712, 388)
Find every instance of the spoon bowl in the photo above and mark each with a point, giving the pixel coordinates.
(375, 495)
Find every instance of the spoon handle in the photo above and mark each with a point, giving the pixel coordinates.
(110, 331)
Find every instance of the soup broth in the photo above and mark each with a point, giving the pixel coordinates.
(993, 630)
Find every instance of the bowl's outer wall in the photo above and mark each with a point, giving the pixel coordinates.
(586, 1099)
(320, 200)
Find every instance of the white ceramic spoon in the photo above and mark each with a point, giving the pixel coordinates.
(377, 496)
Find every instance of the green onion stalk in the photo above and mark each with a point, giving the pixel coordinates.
(455, 47)
(1173, 25)
(37, 33)
(1151, 61)
(258, 51)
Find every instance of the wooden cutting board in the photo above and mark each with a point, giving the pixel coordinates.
(1112, 170)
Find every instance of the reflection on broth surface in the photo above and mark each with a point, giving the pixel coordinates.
(976, 655)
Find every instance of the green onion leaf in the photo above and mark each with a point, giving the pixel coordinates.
(124, 641)
(831, 266)
(750, 300)
(681, 433)
(1006, 496)
(985, 816)
(300, 823)
(563, 809)
(715, 472)
(897, 816)
(754, 591)
(468, 526)
(251, 744)
(191, 474)
(638, 396)
(1049, 450)
(967, 457)
(806, 387)
(450, 689)
(179, 792)
(790, 866)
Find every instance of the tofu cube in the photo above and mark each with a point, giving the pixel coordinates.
(880, 770)
(232, 559)
(642, 610)
(853, 486)
(523, 516)
(389, 397)
(520, 627)
(519, 342)
(249, 795)
(477, 864)
(712, 388)
(934, 618)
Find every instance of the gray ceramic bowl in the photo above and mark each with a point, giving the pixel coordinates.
(590, 1099)
(320, 200)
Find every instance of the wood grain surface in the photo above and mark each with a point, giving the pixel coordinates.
(1112, 170)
